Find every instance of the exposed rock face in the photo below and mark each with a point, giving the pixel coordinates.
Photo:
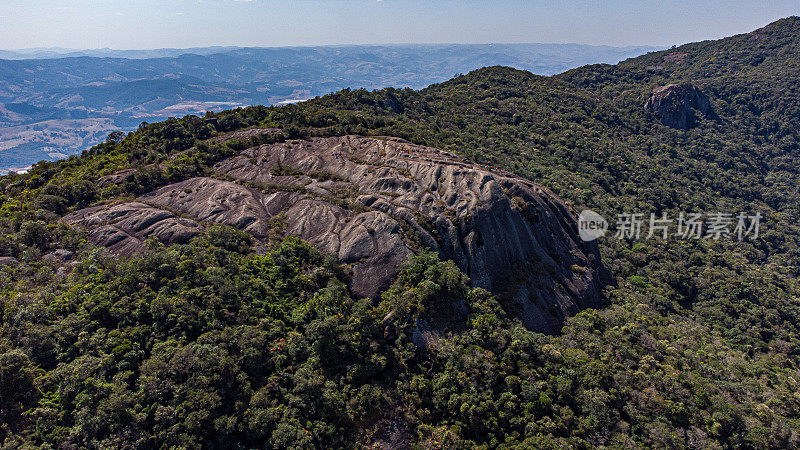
(373, 203)
(124, 227)
(675, 104)
(216, 201)
(114, 178)
(8, 261)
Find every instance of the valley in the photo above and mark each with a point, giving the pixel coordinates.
(117, 90)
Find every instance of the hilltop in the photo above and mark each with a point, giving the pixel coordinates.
(374, 202)
(245, 335)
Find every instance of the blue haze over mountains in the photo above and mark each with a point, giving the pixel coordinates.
(58, 102)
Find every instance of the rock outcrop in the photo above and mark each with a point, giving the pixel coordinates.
(124, 227)
(8, 261)
(674, 105)
(373, 202)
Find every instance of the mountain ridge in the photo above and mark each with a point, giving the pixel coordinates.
(219, 342)
(57, 53)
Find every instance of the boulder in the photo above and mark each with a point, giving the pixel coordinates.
(59, 256)
(63, 254)
(675, 105)
(114, 178)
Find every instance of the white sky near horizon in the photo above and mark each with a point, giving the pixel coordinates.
(146, 24)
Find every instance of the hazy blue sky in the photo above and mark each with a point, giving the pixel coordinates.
(125, 24)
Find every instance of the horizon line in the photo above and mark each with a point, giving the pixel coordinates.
(389, 44)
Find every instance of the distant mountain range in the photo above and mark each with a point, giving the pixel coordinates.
(58, 52)
(57, 102)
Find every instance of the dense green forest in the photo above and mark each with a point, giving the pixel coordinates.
(212, 344)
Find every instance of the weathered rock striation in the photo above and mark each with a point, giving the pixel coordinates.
(124, 227)
(373, 202)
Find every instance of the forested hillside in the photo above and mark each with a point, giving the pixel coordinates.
(223, 343)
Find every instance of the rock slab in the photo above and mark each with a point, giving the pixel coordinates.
(374, 202)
